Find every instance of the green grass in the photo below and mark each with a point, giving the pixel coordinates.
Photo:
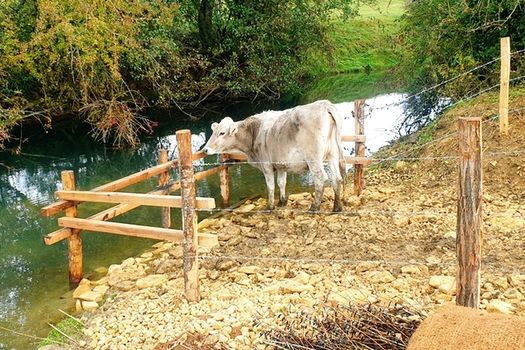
(365, 53)
(69, 326)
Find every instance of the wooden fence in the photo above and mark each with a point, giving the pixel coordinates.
(70, 197)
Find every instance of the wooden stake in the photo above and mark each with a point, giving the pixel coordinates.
(163, 181)
(225, 182)
(189, 216)
(504, 87)
(74, 240)
(359, 173)
(469, 220)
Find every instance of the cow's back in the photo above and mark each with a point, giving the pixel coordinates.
(298, 134)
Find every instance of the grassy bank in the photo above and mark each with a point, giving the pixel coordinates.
(364, 56)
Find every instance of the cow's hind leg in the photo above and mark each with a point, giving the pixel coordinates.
(281, 182)
(270, 186)
(316, 168)
(337, 184)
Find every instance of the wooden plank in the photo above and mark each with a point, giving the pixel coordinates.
(189, 217)
(353, 138)
(118, 228)
(155, 200)
(105, 215)
(237, 156)
(469, 213)
(224, 183)
(163, 181)
(359, 172)
(74, 242)
(116, 185)
(504, 87)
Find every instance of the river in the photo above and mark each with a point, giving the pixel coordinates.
(33, 277)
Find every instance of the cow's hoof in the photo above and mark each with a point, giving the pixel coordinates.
(282, 203)
(314, 209)
(337, 209)
(270, 207)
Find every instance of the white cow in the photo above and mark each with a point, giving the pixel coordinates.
(293, 140)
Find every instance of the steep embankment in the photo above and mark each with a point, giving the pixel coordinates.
(394, 244)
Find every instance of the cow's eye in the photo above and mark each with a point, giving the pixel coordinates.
(222, 133)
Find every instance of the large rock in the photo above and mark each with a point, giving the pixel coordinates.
(445, 284)
(249, 270)
(81, 289)
(500, 306)
(89, 305)
(379, 277)
(288, 287)
(349, 296)
(91, 296)
(151, 281)
(517, 280)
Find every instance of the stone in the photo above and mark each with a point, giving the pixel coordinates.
(411, 269)
(78, 306)
(516, 280)
(445, 284)
(101, 289)
(81, 289)
(213, 275)
(400, 165)
(432, 260)
(379, 277)
(500, 306)
(246, 208)
(420, 218)
(151, 281)
(513, 294)
(349, 296)
(91, 296)
(450, 235)
(302, 277)
(366, 266)
(289, 287)
(400, 221)
(249, 270)
(124, 285)
(176, 252)
(226, 265)
(114, 267)
(89, 305)
(500, 282)
(101, 270)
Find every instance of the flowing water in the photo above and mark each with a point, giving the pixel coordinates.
(33, 277)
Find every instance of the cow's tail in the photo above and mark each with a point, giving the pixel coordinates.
(338, 121)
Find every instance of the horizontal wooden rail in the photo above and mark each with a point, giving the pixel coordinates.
(110, 213)
(133, 230)
(119, 184)
(353, 138)
(358, 160)
(156, 200)
(105, 215)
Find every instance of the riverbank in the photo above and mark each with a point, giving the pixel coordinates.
(393, 245)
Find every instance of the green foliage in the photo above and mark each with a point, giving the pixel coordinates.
(107, 61)
(365, 51)
(444, 38)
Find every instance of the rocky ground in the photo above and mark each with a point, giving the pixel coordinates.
(394, 244)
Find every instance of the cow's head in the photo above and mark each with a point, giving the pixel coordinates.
(223, 138)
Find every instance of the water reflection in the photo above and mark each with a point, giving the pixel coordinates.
(33, 277)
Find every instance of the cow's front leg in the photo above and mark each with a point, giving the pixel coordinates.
(319, 178)
(270, 186)
(281, 182)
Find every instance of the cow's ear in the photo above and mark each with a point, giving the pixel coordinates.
(214, 126)
(233, 129)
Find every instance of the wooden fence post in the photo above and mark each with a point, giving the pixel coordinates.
(359, 173)
(163, 182)
(74, 240)
(225, 182)
(504, 87)
(189, 216)
(469, 219)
